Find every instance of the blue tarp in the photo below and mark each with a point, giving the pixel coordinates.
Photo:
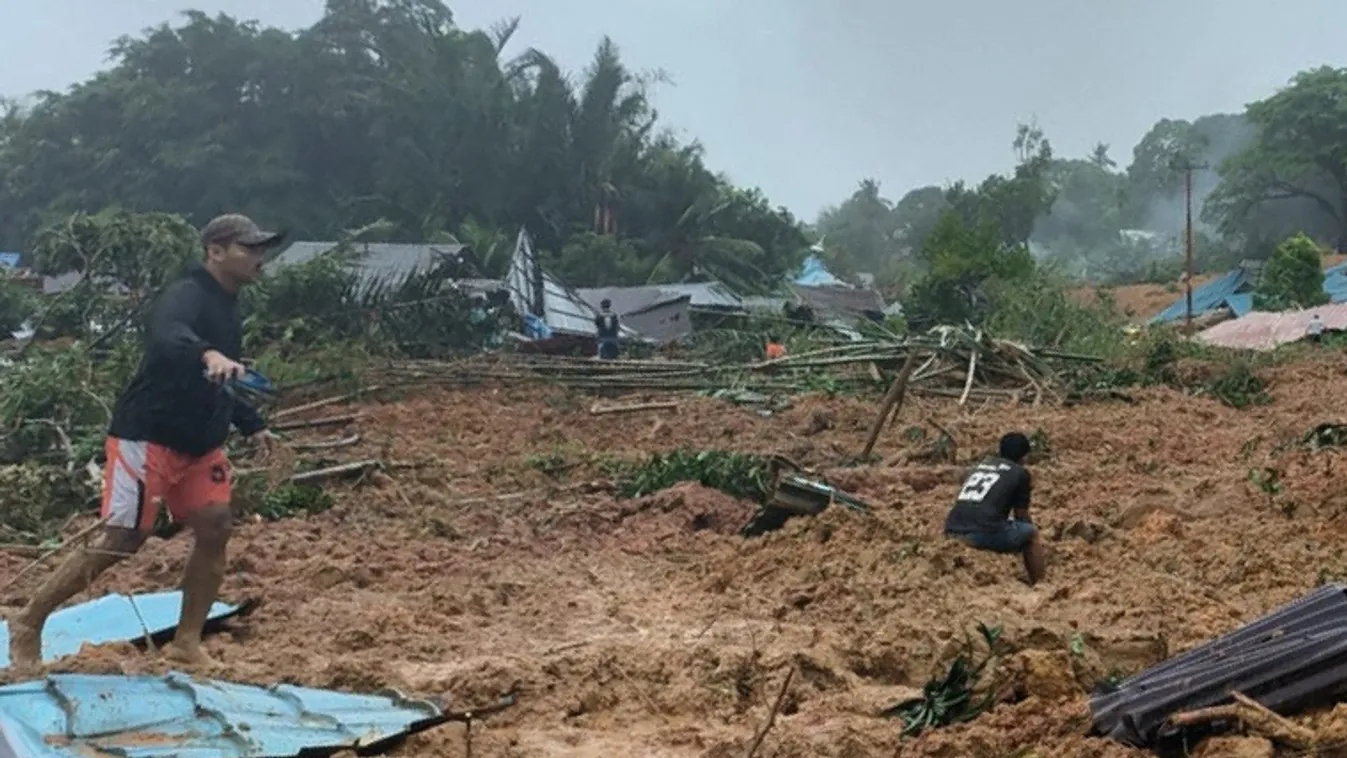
(70, 715)
(814, 274)
(1225, 291)
(112, 618)
(1214, 294)
(9, 260)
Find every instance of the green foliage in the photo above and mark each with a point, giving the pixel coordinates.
(388, 110)
(123, 260)
(326, 301)
(960, 261)
(18, 302)
(290, 500)
(740, 475)
(56, 403)
(953, 697)
(35, 500)
(139, 252)
(1291, 177)
(1040, 311)
(1293, 277)
(1239, 387)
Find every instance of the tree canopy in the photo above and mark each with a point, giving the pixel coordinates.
(386, 109)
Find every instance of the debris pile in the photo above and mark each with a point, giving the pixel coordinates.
(952, 362)
(1287, 662)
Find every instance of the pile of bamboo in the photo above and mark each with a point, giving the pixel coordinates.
(959, 363)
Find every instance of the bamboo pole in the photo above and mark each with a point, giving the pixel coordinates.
(893, 400)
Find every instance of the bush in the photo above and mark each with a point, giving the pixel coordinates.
(1293, 278)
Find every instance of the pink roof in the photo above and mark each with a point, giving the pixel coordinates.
(1259, 330)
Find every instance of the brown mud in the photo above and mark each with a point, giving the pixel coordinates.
(648, 628)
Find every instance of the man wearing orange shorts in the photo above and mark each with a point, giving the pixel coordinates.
(165, 444)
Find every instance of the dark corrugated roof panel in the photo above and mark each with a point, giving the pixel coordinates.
(71, 715)
(1289, 660)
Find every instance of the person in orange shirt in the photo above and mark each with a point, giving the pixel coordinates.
(775, 349)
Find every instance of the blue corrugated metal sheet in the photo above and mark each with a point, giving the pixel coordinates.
(1209, 296)
(1335, 283)
(112, 618)
(1240, 304)
(69, 715)
(9, 260)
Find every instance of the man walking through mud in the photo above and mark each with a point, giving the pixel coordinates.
(165, 445)
(994, 491)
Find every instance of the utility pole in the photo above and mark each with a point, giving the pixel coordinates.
(1187, 167)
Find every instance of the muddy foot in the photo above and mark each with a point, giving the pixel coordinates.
(189, 655)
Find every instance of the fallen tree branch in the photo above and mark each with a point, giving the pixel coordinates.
(598, 410)
(316, 422)
(316, 404)
(771, 717)
(326, 444)
(38, 561)
(333, 472)
(1256, 717)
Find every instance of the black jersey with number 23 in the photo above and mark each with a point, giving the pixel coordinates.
(992, 490)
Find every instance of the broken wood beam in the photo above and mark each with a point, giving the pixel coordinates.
(316, 422)
(893, 401)
(1256, 717)
(325, 402)
(600, 410)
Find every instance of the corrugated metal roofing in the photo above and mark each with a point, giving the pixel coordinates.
(1209, 296)
(1261, 330)
(113, 618)
(1291, 659)
(846, 302)
(9, 260)
(566, 312)
(627, 300)
(761, 303)
(707, 295)
(375, 261)
(68, 715)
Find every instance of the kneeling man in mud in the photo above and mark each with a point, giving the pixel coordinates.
(165, 445)
(992, 509)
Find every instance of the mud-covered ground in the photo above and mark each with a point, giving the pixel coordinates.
(648, 628)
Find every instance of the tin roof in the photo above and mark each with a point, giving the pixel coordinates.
(69, 715)
(566, 312)
(1210, 296)
(375, 261)
(630, 300)
(840, 301)
(707, 294)
(1289, 660)
(1261, 330)
(113, 618)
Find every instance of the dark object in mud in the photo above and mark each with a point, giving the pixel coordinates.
(794, 495)
(1291, 660)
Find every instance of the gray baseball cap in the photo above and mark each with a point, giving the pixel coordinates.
(235, 227)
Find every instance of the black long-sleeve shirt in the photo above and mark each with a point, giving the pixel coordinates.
(169, 401)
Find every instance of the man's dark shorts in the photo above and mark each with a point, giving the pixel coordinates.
(1013, 538)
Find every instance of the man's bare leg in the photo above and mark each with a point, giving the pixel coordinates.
(71, 578)
(1035, 559)
(211, 527)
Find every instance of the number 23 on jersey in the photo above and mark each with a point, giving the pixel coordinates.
(977, 485)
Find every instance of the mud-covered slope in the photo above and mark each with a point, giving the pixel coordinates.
(648, 628)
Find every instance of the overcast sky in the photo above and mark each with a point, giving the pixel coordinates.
(806, 97)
